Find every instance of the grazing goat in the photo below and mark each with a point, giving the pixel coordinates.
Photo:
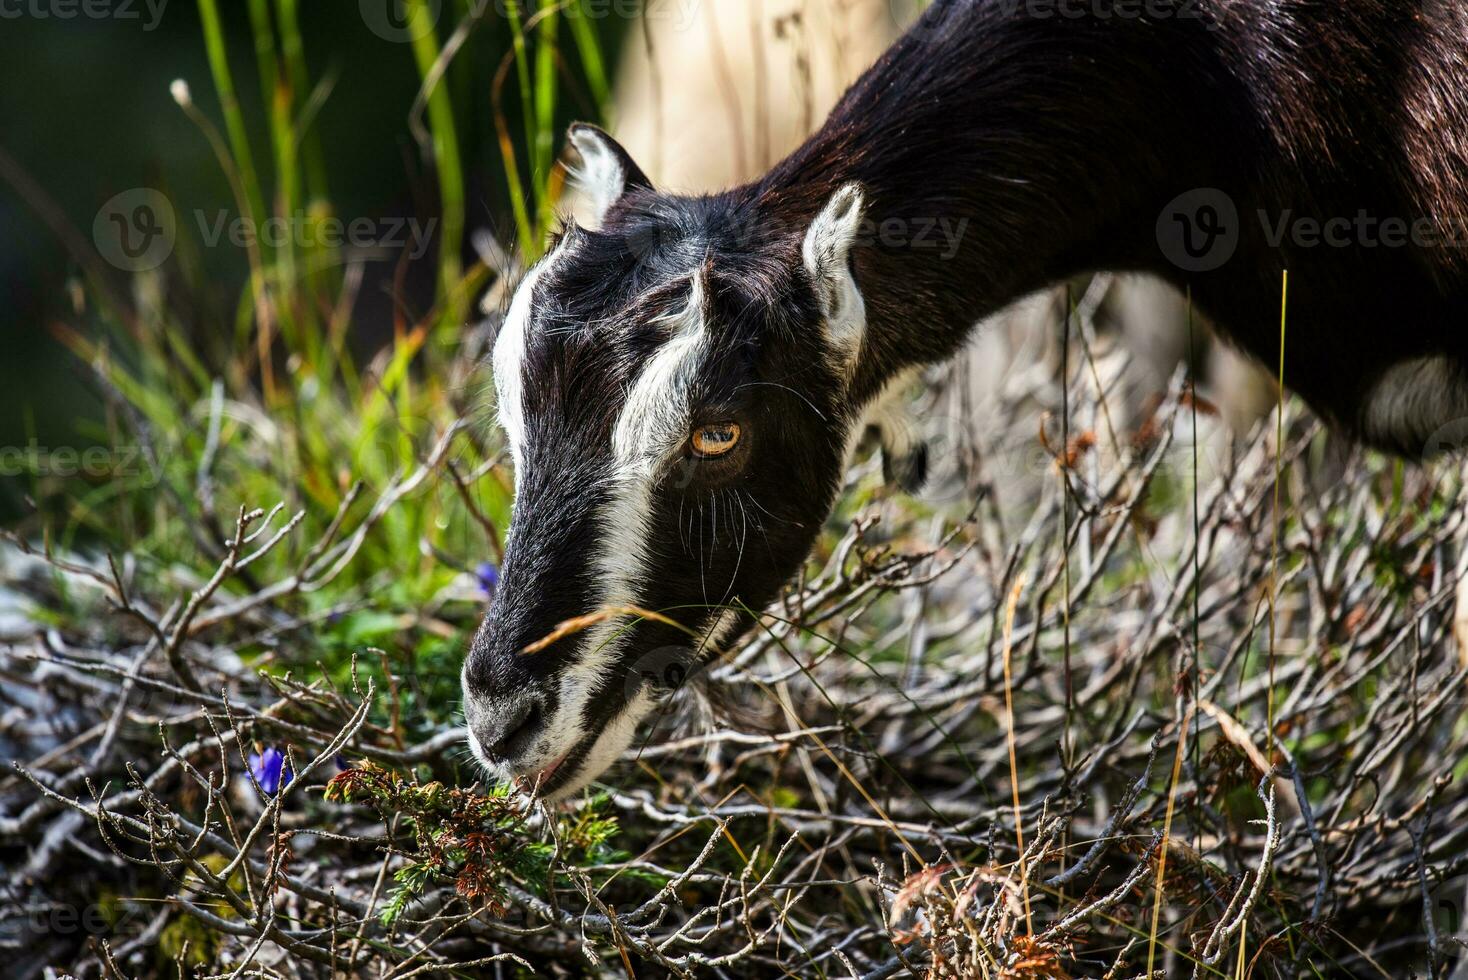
(730, 59)
(681, 387)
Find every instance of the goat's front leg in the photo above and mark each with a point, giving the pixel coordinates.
(892, 420)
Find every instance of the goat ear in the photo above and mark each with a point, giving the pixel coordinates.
(607, 171)
(827, 256)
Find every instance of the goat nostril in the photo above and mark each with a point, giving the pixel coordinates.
(519, 730)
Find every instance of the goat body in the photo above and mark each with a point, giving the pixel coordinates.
(682, 385)
(1332, 135)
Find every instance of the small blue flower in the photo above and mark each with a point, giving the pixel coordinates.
(488, 574)
(270, 771)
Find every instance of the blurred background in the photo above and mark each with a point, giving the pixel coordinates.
(312, 156)
(326, 96)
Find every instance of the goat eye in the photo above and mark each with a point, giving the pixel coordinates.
(710, 441)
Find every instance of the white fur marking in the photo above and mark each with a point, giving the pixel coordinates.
(509, 357)
(891, 413)
(717, 632)
(620, 731)
(652, 424)
(827, 252)
(609, 745)
(601, 176)
(655, 419)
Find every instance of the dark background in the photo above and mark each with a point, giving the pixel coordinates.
(85, 113)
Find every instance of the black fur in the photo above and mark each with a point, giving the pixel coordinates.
(1064, 139)
(722, 533)
(1056, 144)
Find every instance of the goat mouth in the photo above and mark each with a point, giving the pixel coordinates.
(549, 771)
(538, 782)
(555, 775)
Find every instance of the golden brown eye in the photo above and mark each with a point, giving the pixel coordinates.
(710, 441)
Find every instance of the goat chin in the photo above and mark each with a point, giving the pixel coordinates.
(608, 747)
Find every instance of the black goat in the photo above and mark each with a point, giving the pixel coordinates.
(682, 386)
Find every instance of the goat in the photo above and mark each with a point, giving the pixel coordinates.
(732, 57)
(681, 387)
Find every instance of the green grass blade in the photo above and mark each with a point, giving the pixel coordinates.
(546, 59)
(522, 70)
(446, 160)
(588, 46)
(234, 120)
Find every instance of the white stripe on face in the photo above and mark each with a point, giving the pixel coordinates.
(652, 425)
(509, 362)
(610, 744)
(654, 421)
(622, 729)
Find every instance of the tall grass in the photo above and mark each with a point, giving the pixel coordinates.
(295, 411)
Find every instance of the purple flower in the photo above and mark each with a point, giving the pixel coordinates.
(488, 574)
(270, 771)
